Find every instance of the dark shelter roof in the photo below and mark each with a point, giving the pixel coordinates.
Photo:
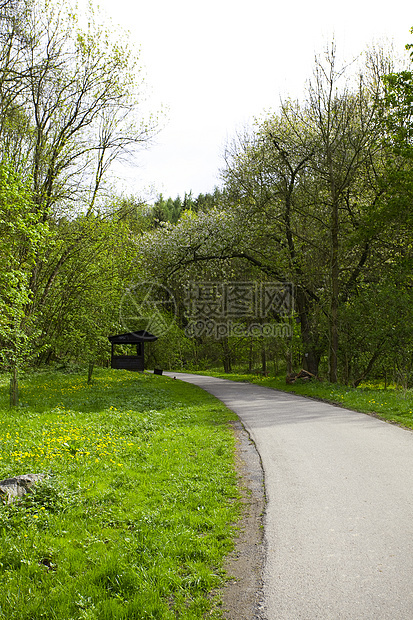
(133, 337)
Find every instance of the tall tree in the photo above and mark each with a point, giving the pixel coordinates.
(347, 122)
(23, 239)
(69, 107)
(265, 177)
(302, 194)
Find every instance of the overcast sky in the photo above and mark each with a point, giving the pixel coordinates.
(215, 65)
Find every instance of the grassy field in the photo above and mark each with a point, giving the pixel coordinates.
(139, 504)
(392, 404)
(138, 507)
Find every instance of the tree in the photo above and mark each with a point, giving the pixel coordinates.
(170, 210)
(69, 107)
(88, 288)
(398, 139)
(348, 126)
(265, 177)
(314, 172)
(23, 239)
(79, 92)
(302, 198)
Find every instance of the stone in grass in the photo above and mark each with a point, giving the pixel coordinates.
(13, 488)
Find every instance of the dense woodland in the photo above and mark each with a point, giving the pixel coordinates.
(317, 194)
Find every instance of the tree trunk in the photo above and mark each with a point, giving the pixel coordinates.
(90, 371)
(14, 388)
(250, 355)
(289, 361)
(311, 362)
(334, 294)
(370, 365)
(227, 356)
(264, 359)
(311, 357)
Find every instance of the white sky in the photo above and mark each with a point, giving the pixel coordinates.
(217, 64)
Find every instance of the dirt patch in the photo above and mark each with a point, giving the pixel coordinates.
(242, 596)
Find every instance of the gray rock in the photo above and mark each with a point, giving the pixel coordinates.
(13, 488)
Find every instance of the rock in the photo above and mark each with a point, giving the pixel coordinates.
(13, 488)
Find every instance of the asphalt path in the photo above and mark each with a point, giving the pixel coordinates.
(339, 514)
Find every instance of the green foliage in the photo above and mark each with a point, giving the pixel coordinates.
(87, 289)
(399, 139)
(79, 92)
(166, 210)
(316, 194)
(376, 329)
(170, 210)
(69, 107)
(23, 240)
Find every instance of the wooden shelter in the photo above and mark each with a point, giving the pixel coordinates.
(127, 361)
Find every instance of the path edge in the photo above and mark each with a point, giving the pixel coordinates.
(242, 596)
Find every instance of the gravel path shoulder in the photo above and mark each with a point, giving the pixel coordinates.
(243, 595)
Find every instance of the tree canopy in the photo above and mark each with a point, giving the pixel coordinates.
(310, 197)
(315, 200)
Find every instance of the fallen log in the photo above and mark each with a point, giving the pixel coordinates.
(303, 375)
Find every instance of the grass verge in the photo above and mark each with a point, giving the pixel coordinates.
(138, 507)
(391, 404)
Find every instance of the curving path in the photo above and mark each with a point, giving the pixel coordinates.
(339, 515)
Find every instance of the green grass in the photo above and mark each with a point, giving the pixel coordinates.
(392, 404)
(138, 508)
